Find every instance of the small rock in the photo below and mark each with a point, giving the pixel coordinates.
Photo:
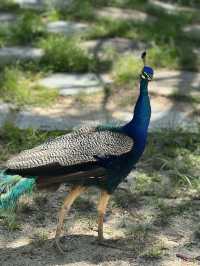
(31, 4)
(170, 8)
(4, 112)
(71, 84)
(167, 82)
(66, 27)
(6, 17)
(123, 14)
(10, 54)
(192, 31)
(99, 47)
(58, 3)
(163, 119)
(171, 119)
(31, 119)
(160, 119)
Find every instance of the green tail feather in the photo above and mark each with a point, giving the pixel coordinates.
(12, 187)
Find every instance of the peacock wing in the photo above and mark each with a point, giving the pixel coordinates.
(82, 147)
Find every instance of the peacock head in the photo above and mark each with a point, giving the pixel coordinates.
(147, 73)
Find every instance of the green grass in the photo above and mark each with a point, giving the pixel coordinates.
(108, 28)
(52, 15)
(178, 97)
(28, 28)
(124, 200)
(169, 154)
(83, 205)
(126, 69)
(168, 211)
(163, 56)
(10, 220)
(168, 46)
(155, 252)
(165, 153)
(80, 10)
(65, 55)
(14, 140)
(18, 87)
(170, 164)
(139, 232)
(40, 199)
(148, 184)
(4, 34)
(197, 233)
(8, 5)
(193, 3)
(39, 238)
(85, 10)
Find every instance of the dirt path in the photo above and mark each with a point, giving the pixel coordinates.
(145, 230)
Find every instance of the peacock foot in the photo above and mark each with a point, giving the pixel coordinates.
(59, 246)
(110, 243)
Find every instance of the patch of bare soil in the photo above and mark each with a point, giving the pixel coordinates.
(139, 231)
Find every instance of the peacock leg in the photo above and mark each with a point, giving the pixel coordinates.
(103, 202)
(72, 195)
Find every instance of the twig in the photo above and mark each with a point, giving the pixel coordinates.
(184, 257)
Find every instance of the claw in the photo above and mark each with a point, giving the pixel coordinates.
(107, 243)
(100, 240)
(58, 245)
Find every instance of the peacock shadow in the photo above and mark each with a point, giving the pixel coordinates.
(78, 248)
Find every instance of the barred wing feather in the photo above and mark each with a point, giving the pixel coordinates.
(76, 148)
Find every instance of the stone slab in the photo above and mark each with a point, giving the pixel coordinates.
(171, 8)
(50, 4)
(165, 115)
(100, 47)
(30, 4)
(167, 82)
(31, 119)
(123, 14)
(171, 119)
(4, 113)
(192, 31)
(71, 84)
(168, 119)
(7, 17)
(66, 27)
(10, 54)
(43, 4)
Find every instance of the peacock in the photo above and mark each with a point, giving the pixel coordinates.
(100, 156)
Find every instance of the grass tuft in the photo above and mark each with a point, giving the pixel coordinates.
(126, 70)
(18, 87)
(163, 56)
(27, 29)
(64, 54)
(81, 10)
(14, 140)
(6, 5)
(197, 234)
(39, 238)
(10, 220)
(155, 252)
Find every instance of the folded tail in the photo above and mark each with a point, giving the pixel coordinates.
(14, 184)
(12, 187)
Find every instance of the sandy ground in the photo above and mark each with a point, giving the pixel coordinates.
(137, 234)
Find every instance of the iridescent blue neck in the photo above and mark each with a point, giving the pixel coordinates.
(137, 128)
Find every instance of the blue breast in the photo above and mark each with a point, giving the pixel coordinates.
(137, 128)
